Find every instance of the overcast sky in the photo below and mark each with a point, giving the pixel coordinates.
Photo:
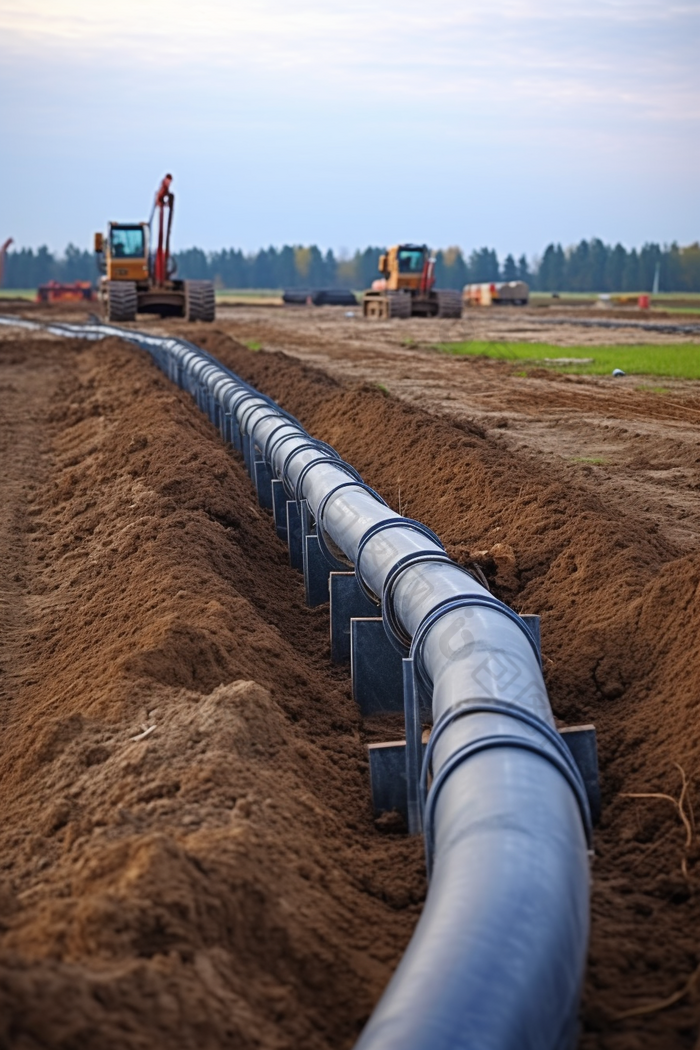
(507, 123)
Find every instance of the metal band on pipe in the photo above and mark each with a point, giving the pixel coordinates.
(488, 743)
(339, 463)
(382, 526)
(508, 710)
(320, 525)
(461, 601)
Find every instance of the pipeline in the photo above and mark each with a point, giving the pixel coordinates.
(498, 955)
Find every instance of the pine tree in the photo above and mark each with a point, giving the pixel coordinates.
(510, 270)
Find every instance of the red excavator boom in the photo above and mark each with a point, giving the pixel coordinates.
(164, 203)
(3, 252)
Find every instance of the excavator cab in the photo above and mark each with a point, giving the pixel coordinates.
(127, 242)
(126, 254)
(411, 259)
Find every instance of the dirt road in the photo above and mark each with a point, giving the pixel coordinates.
(220, 882)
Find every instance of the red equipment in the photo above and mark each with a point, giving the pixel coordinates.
(59, 292)
(3, 252)
(165, 201)
(427, 277)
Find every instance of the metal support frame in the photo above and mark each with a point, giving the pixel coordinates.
(582, 743)
(263, 483)
(316, 572)
(279, 508)
(294, 536)
(375, 667)
(348, 601)
(414, 747)
(532, 622)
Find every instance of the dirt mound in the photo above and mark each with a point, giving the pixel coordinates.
(620, 622)
(188, 851)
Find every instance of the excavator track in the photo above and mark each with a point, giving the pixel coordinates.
(380, 306)
(120, 300)
(399, 304)
(200, 301)
(449, 302)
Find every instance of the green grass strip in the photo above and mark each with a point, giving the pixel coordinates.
(680, 362)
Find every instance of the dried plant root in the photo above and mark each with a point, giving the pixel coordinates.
(660, 1004)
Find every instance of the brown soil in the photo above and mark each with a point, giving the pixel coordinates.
(221, 882)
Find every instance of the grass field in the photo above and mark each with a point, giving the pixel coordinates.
(679, 362)
(18, 293)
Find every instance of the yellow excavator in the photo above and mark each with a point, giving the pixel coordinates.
(137, 281)
(407, 287)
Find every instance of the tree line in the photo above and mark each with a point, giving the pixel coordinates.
(590, 266)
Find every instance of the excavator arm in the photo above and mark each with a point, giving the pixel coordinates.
(3, 253)
(164, 204)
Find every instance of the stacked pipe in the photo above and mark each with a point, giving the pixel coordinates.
(498, 955)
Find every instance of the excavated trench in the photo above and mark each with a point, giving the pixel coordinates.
(220, 881)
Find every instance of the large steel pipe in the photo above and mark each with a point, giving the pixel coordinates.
(498, 956)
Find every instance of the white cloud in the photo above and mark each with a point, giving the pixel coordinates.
(329, 91)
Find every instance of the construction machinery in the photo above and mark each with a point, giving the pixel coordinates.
(65, 292)
(497, 293)
(407, 287)
(138, 280)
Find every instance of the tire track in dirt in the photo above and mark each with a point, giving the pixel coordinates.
(25, 395)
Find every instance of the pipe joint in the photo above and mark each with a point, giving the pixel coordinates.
(321, 530)
(400, 638)
(381, 526)
(340, 464)
(448, 605)
(545, 742)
